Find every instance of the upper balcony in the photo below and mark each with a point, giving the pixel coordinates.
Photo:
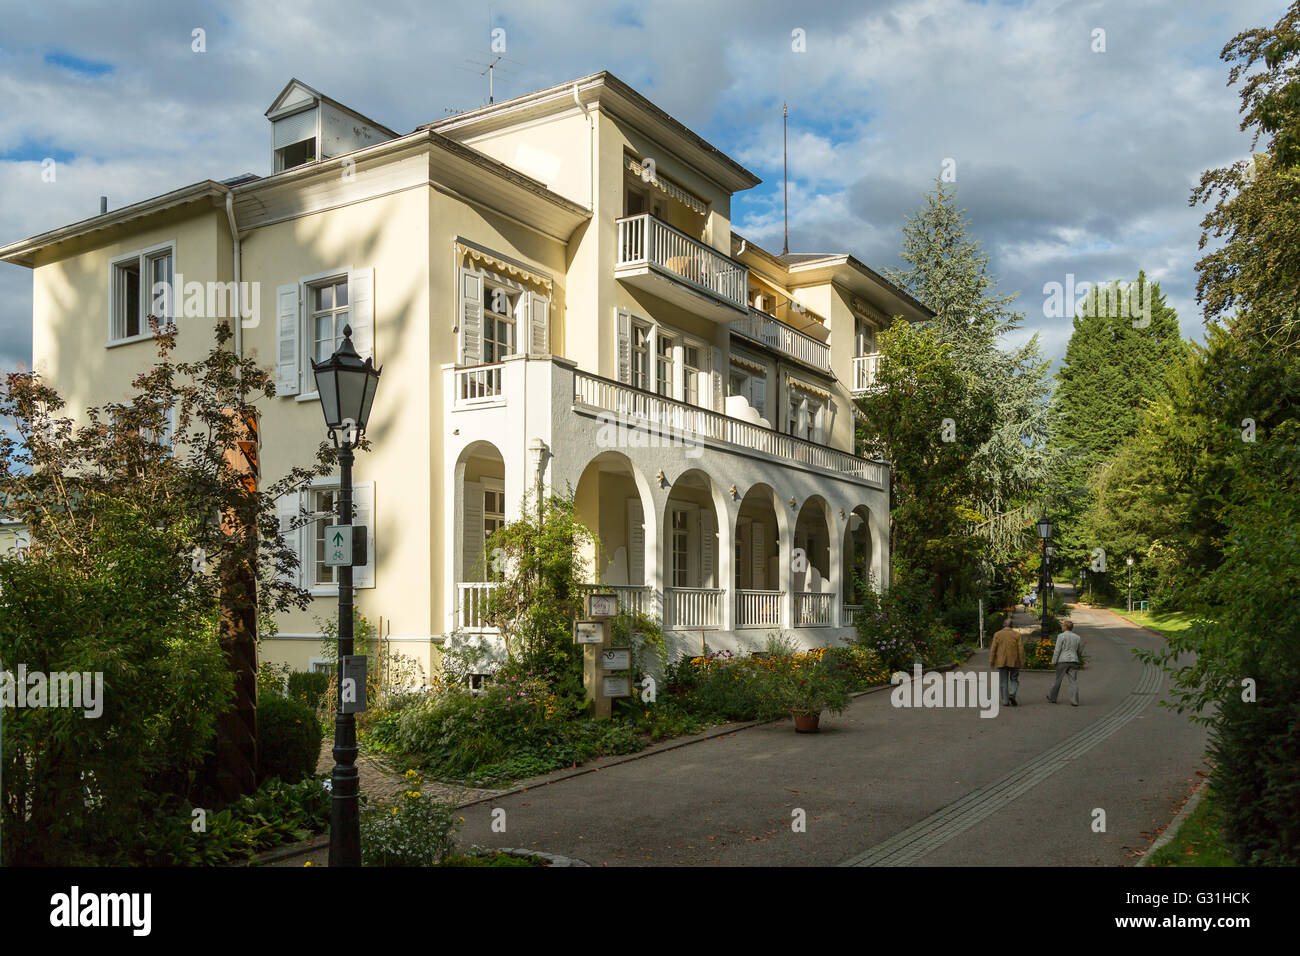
(666, 262)
(775, 334)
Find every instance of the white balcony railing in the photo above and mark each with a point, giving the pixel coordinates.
(866, 371)
(758, 608)
(636, 598)
(812, 608)
(472, 604)
(692, 608)
(478, 384)
(849, 616)
(645, 240)
(775, 334)
(696, 424)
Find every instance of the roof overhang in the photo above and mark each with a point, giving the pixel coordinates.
(848, 273)
(610, 94)
(204, 195)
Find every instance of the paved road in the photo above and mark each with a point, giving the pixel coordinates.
(891, 786)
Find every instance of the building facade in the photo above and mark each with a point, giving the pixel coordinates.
(560, 306)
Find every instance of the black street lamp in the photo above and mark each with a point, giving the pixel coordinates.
(346, 386)
(1130, 584)
(1045, 528)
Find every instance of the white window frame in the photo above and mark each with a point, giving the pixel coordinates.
(514, 294)
(328, 666)
(647, 354)
(142, 258)
(306, 333)
(746, 390)
(308, 561)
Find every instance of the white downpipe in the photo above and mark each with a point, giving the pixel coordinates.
(591, 146)
(239, 305)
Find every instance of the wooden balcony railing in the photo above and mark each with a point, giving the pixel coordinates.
(666, 414)
(866, 369)
(812, 608)
(645, 240)
(471, 605)
(758, 608)
(692, 608)
(775, 334)
(637, 598)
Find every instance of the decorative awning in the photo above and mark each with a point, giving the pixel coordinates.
(868, 311)
(745, 362)
(793, 382)
(505, 266)
(668, 187)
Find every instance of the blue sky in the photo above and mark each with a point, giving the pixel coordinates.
(1068, 160)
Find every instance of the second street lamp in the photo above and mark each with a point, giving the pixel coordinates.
(1130, 584)
(346, 385)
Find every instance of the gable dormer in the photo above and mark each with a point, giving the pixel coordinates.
(307, 126)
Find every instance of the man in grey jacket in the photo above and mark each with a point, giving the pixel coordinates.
(1067, 658)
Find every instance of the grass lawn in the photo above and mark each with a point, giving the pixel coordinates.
(1167, 623)
(1198, 842)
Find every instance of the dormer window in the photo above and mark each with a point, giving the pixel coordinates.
(307, 127)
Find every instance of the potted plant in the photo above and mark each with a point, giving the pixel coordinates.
(809, 688)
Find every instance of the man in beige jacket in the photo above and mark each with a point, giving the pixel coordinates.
(1007, 656)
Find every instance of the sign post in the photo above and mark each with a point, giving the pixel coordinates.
(593, 634)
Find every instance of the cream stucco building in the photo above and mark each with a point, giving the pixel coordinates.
(558, 300)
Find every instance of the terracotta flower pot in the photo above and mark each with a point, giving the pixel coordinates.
(805, 722)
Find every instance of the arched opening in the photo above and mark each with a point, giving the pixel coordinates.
(613, 500)
(480, 510)
(759, 594)
(810, 564)
(691, 559)
(858, 575)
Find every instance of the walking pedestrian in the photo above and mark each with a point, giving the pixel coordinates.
(1007, 656)
(1067, 657)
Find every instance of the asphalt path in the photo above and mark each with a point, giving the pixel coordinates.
(1039, 784)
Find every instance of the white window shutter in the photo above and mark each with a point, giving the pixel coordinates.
(363, 501)
(539, 328)
(288, 353)
(361, 311)
(635, 542)
(471, 317)
(286, 510)
(758, 394)
(758, 557)
(623, 322)
(801, 422)
(474, 569)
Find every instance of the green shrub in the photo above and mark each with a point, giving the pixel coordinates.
(277, 814)
(288, 740)
(902, 626)
(309, 687)
(1256, 777)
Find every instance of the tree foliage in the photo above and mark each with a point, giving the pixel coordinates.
(135, 541)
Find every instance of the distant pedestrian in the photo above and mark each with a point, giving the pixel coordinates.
(1067, 658)
(1007, 656)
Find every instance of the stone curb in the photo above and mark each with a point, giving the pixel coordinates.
(552, 859)
(1171, 831)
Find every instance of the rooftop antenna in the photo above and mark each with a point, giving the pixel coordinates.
(785, 181)
(490, 70)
